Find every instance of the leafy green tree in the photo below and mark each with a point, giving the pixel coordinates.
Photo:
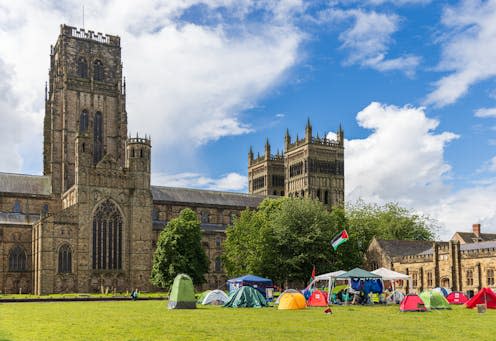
(389, 221)
(179, 250)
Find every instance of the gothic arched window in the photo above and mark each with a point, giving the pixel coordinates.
(98, 137)
(326, 197)
(65, 259)
(83, 121)
(98, 70)
(204, 217)
(82, 68)
(107, 237)
(17, 259)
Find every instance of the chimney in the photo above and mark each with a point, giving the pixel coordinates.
(476, 229)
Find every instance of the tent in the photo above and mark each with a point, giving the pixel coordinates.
(457, 297)
(182, 295)
(395, 297)
(318, 299)
(445, 292)
(393, 276)
(484, 296)
(291, 291)
(217, 297)
(361, 280)
(263, 285)
(412, 302)
(329, 277)
(434, 300)
(245, 297)
(202, 296)
(292, 301)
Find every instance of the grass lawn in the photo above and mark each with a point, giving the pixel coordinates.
(151, 320)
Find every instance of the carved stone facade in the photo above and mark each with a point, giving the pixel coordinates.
(467, 266)
(93, 219)
(311, 167)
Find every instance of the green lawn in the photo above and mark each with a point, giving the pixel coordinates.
(151, 320)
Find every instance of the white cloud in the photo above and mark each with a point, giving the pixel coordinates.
(485, 112)
(228, 182)
(469, 52)
(368, 39)
(401, 160)
(188, 79)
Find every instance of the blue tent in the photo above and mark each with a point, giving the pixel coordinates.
(263, 285)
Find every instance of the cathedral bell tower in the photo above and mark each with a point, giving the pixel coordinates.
(85, 98)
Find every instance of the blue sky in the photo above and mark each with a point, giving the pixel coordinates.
(411, 81)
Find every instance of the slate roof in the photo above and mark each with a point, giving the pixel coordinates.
(25, 184)
(395, 248)
(478, 246)
(18, 218)
(206, 197)
(470, 237)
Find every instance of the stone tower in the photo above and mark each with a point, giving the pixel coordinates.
(100, 177)
(311, 167)
(85, 96)
(266, 172)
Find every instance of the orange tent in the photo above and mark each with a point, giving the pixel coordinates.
(318, 299)
(292, 301)
(484, 296)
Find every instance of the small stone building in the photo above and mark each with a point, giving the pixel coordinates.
(467, 262)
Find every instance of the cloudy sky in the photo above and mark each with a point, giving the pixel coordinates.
(411, 81)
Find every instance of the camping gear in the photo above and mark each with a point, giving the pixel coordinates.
(443, 291)
(484, 296)
(456, 297)
(434, 300)
(245, 297)
(318, 299)
(396, 297)
(182, 295)
(363, 281)
(393, 276)
(292, 301)
(202, 296)
(329, 277)
(285, 292)
(216, 297)
(412, 302)
(263, 285)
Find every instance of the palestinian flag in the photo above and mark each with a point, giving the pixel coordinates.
(339, 239)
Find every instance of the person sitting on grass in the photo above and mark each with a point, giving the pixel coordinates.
(134, 294)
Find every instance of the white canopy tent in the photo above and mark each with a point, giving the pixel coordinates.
(390, 275)
(329, 277)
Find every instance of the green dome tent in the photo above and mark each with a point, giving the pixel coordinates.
(434, 300)
(182, 295)
(246, 297)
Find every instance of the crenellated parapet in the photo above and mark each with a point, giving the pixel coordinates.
(91, 35)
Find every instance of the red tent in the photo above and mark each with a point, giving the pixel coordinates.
(317, 299)
(485, 295)
(456, 297)
(412, 302)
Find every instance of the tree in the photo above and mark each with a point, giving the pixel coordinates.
(285, 237)
(389, 221)
(282, 240)
(179, 250)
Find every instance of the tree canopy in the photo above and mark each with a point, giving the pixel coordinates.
(285, 237)
(179, 250)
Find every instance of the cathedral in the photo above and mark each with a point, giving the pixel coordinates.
(92, 219)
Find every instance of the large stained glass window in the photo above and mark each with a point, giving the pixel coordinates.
(107, 237)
